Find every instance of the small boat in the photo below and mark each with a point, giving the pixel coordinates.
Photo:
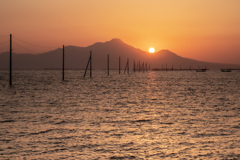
(226, 70)
(201, 70)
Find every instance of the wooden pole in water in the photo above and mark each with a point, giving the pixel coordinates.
(86, 67)
(119, 65)
(63, 65)
(139, 66)
(90, 63)
(128, 65)
(108, 63)
(10, 67)
(143, 66)
(134, 66)
(125, 68)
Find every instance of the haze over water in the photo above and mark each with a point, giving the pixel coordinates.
(144, 115)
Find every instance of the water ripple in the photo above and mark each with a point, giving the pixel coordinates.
(150, 115)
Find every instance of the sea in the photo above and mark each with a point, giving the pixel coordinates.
(141, 115)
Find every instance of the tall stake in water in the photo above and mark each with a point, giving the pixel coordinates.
(108, 63)
(134, 66)
(128, 65)
(119, 65)
(63, 65)
(143, 67)
(90, 63)
(139, 66)
(10, 67)
(125, 67)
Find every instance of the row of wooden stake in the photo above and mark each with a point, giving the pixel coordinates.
(139, 67)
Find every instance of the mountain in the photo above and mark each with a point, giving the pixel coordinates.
(77, 58)
(166, 57)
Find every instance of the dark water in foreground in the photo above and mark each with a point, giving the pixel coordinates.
(151, 115)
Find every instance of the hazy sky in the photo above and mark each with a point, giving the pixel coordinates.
(206, 30)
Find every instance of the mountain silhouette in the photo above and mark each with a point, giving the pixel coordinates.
(77, 58)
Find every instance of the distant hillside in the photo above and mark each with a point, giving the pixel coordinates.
(165, 57)
(77, 58)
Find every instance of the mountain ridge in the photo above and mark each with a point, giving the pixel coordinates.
(77, 57)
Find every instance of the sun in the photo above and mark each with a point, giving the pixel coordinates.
(151, 50)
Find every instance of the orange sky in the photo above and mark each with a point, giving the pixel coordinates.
(207, 30)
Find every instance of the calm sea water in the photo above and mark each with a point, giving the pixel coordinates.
(146, 115)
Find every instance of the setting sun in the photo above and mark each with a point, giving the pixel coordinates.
(151, 50)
